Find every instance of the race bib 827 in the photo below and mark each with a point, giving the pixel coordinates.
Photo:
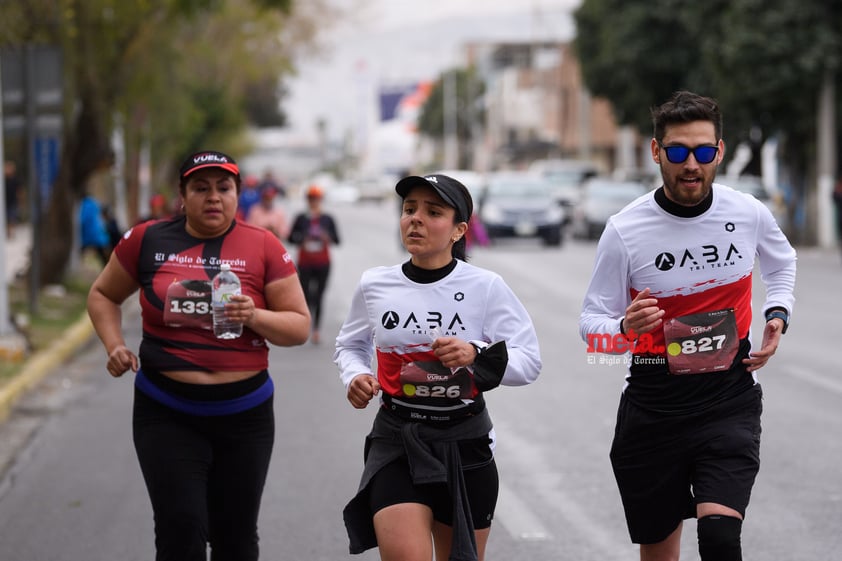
(704, 342)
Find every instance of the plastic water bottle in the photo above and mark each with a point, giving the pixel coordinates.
(225, 285)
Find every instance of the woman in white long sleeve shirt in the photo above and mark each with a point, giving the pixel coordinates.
(442, 332)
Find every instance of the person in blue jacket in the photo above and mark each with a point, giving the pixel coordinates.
(94, 234)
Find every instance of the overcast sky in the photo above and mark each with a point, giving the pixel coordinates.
(402, 13)
(399, 41)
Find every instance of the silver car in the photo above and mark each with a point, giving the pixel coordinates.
(602, 198)
(567, 177)
(521, 205)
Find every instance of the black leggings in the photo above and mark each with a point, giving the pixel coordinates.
(314, 282)
(205, 478)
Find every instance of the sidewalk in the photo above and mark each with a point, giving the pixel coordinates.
(36, 366)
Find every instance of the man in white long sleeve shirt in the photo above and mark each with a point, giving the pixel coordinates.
(672, 281)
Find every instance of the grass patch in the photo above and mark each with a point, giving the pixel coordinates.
(59, 307)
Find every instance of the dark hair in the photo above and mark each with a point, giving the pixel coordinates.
(182, 184)
(460, 248)
(686, 107)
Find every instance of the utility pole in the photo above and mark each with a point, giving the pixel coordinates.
(5, 325)
(12, 343)
(449, 106)
(585, 124)
(826, 161)
(35, 200)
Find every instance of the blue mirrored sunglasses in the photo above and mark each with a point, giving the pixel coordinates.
(678, 154)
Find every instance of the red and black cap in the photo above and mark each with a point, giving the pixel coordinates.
(208, 159)
(452, 191)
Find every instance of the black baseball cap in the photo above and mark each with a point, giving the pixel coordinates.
(208, 159)
(453, 192)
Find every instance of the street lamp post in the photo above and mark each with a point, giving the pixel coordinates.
(826, 161)
(5, 324)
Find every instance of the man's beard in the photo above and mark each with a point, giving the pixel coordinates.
(676, 193)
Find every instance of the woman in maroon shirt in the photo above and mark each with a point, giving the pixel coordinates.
(313, 231)
(203, 417)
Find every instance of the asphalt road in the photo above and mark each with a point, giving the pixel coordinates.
(71, 489)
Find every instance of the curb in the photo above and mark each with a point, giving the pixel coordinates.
(42, 362)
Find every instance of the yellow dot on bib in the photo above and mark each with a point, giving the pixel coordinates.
(674, 349)
(408, 390)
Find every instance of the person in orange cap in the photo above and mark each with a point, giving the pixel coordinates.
(157, 209)
(313, 231)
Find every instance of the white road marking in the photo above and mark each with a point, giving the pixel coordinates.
(518, 518)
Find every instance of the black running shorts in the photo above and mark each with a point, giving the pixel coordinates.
(666, 464)
(393, 485)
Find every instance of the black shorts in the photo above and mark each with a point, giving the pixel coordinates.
(666, 464)
(393, 485)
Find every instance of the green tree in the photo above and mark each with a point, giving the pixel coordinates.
(633, 54)
(178, 75)
(469, 114)
(764, 60)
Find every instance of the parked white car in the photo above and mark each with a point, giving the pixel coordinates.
(601, 198)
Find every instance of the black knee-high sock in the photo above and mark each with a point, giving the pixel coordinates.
(719, 538)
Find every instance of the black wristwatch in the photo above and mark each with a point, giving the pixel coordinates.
(779, 313)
